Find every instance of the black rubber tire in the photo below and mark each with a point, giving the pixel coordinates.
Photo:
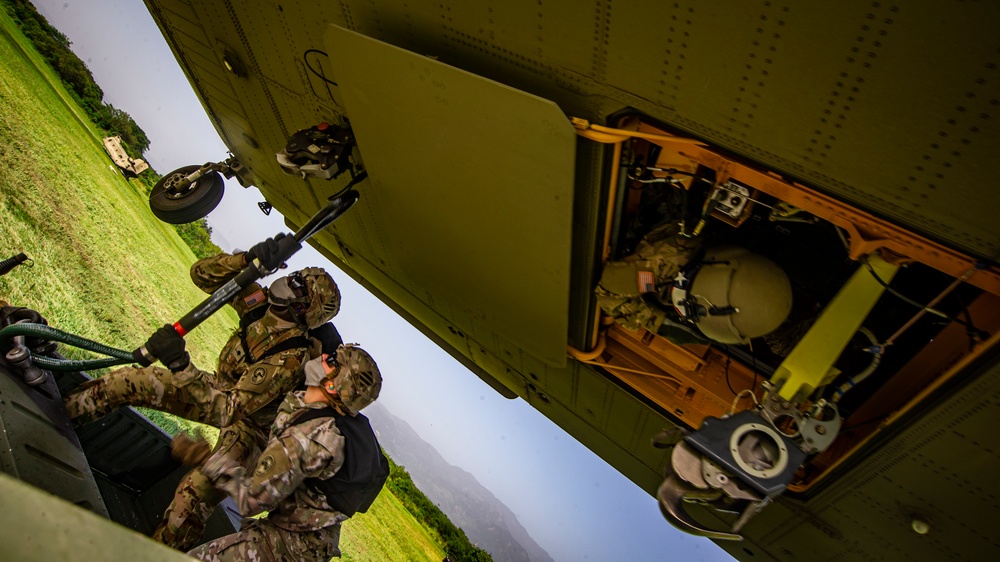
(195, 204)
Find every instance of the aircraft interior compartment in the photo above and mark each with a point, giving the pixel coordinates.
(872, 320)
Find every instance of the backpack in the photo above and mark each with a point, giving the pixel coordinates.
(360, 479)
(328, 336)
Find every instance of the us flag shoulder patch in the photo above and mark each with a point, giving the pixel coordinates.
(254, 298)
(646, 284)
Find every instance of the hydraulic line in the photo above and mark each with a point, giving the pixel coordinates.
(117, 356)
(876, 350)
(958, 281)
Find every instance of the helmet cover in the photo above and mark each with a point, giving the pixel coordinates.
(358, 380)
(321, 301)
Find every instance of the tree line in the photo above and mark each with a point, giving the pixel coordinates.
(456, 544)
(55, 49)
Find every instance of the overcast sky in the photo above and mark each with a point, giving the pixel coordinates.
(571, 502)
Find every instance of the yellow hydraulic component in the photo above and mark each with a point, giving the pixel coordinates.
(812, 360)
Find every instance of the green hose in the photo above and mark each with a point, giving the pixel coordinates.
(118, 356)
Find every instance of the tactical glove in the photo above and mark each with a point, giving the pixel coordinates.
(273, 252)
(190, 452)
(168, 346)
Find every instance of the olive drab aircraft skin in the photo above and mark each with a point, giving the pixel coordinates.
(505, 152)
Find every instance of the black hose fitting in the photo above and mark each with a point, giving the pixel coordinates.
(12, 262)
(20, 359)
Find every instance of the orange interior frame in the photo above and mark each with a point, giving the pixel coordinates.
(693, 382)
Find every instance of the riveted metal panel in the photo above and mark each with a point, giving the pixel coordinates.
(509, 198)
(37, 443)
(851, 97)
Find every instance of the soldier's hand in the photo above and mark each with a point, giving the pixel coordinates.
(190, 452)
(273, 252)
(168, 346)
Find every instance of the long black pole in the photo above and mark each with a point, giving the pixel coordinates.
(251, 273)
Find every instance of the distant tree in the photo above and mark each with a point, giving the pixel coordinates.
(120, 123)
(198, 236)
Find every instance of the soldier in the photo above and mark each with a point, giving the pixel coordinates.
(671, 287)
(321, 465)
(259, 364)
(628, 284)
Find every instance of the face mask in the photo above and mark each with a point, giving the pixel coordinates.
(315, 375)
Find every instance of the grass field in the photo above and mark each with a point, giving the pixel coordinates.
(104, 267)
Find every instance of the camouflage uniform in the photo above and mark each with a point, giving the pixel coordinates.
(240, 386)
(650, 269)
(300, 525)
(241, 397)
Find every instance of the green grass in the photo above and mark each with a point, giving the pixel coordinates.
(387, 532)
(105, 268)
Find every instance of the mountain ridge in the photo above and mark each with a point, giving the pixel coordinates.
(487, 522)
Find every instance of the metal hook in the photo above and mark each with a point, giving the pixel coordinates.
(672, 494)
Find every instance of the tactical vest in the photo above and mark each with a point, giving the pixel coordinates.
(360, 479)
(257, 336)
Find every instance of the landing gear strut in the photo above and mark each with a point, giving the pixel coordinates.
(190, 193)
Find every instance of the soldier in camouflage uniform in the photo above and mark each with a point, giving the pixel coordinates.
(260, 363)
(650, 271)
(300, 525)
(670, 287)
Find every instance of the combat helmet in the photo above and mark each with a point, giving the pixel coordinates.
(358, 381)
(738, 295)
(311, 294)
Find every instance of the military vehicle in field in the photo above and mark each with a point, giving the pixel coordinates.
(129, 166)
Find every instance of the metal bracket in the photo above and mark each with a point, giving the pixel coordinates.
(323, 151)
(748, 447)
